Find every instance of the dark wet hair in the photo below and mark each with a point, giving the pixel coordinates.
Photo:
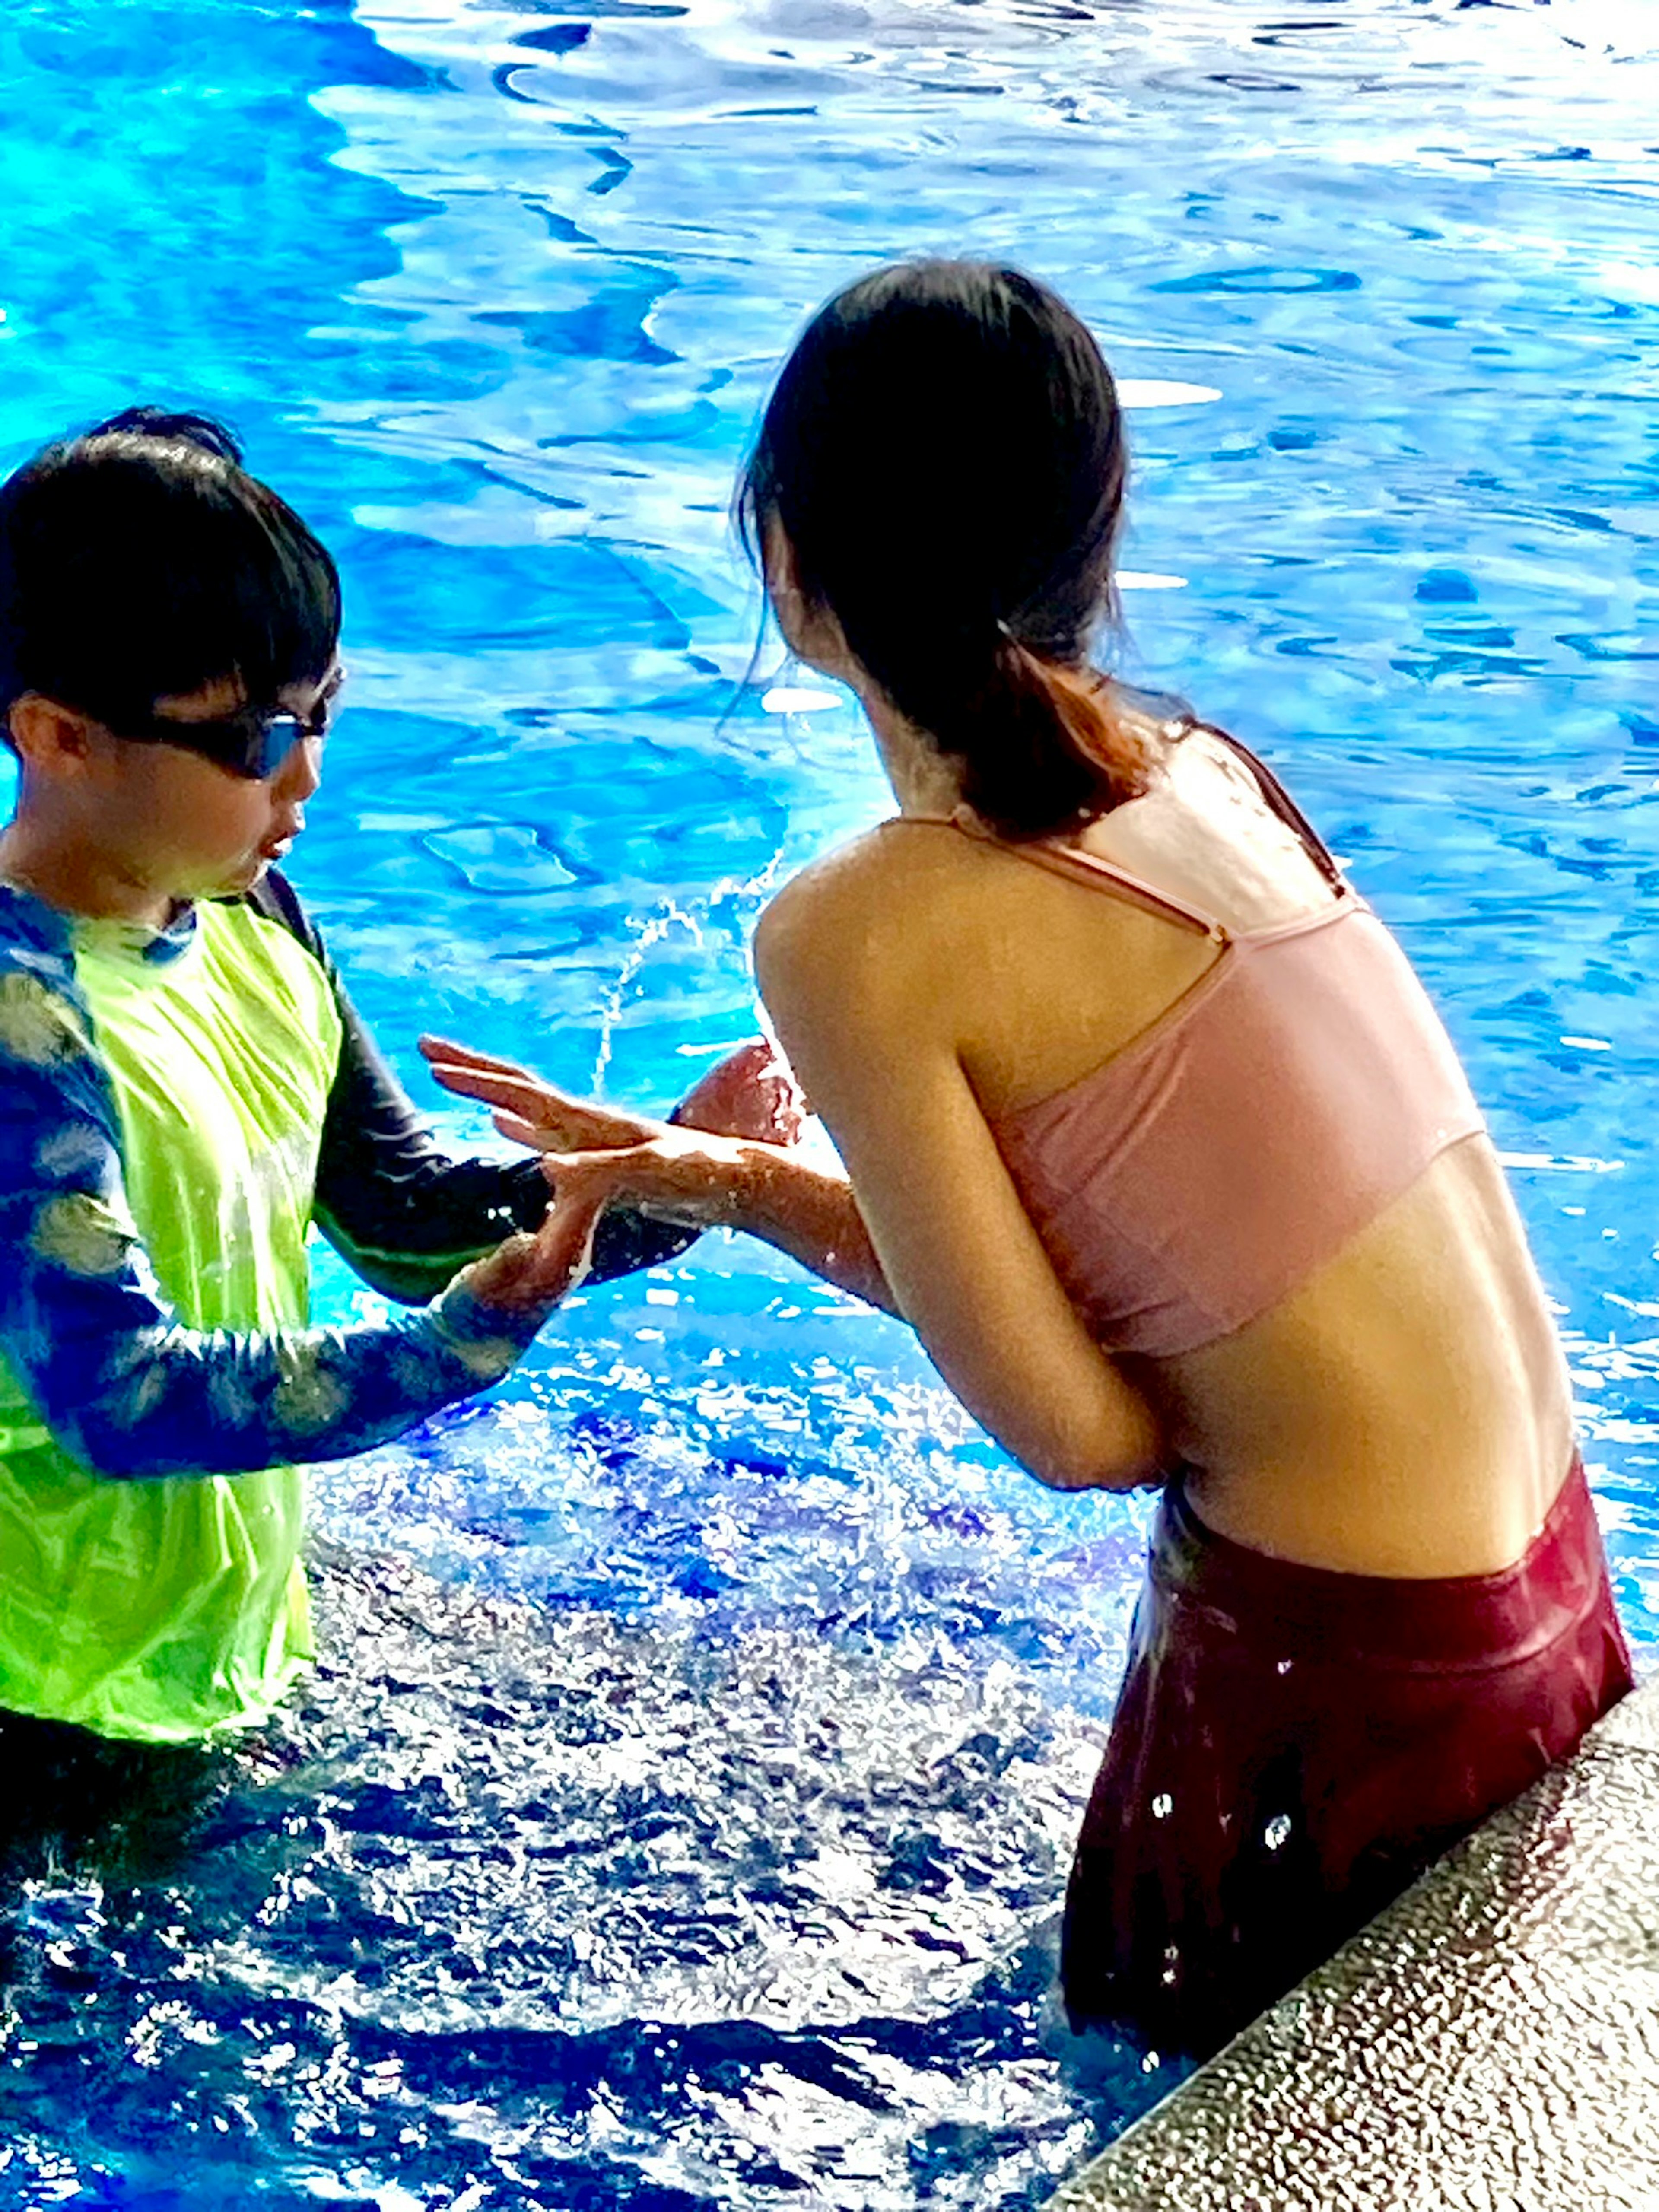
(944, 453)
(140, 561)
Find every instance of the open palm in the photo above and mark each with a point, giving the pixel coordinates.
(749, 1093)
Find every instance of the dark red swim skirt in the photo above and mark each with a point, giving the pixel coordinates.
(1292, 1747)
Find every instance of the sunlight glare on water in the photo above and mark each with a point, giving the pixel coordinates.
(681, 1813)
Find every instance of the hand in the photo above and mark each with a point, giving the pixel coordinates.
(529, 1274)
(693, 1179)
(750, 1093)
(741, 1174)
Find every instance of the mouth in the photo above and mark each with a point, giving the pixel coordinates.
(276, 848)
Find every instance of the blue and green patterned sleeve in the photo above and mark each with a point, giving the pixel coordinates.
(121, 1382)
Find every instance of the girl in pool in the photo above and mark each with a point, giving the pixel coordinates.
(1154, 1139)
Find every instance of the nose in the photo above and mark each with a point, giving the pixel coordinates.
(301, 775)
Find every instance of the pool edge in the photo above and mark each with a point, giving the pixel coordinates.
(1491, 2039)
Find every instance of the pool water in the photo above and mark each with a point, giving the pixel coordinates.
(680, 1815)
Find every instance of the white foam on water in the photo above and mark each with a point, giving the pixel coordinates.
(1136, 391)
(791, 699)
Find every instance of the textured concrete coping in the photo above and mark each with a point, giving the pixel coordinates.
(1491, 2041)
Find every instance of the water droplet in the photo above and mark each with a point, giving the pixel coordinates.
(1163, 1805)
(1277, 1834)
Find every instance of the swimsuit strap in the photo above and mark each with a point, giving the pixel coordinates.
(1282, 805)
(1088, 867)
(1080, 864)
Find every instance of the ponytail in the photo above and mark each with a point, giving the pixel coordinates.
(1043, 750)
(1039, 746)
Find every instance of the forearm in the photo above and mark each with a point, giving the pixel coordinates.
(809, 1213)
(133, 1393)
(109, 1364)
(407, 1237)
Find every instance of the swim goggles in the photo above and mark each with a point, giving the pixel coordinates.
(253, 742)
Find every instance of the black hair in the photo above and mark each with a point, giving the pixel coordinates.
(139, 561)
(944, 453)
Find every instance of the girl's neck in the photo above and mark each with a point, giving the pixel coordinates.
(925, 780)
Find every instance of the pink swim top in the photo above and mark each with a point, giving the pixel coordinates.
(1195, 1178)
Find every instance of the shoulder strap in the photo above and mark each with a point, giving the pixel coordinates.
(1070, 860)
(1089, 867)
(1283, 805)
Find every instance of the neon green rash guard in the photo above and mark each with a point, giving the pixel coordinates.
(177, 1109)
(162, 1101)
(171, 1606)
(163, 1609)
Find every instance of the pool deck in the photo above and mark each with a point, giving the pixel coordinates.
(1491, 2041)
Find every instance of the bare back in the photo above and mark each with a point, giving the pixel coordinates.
(1404, 1410)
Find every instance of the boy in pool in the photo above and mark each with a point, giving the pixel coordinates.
(185, 1088)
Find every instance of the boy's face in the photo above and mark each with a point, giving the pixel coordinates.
(184, 828)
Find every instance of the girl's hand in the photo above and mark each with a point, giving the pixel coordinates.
(750, 1093)
(682, 1176)
(740, 1174)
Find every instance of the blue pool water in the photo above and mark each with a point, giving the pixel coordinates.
(680, 1815)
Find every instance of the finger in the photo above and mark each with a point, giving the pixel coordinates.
(562, 1118)
(488, 1083)
(726, 1089)
(749, 1093)
(531, 1272)
(556, 1145)
(534, 1134)
(521, 1093)
(564, 1244)
(444, 1048)
(571, 1215)
(755, 1054)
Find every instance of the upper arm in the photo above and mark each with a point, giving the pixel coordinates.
(122, 1383)
(405, 1214)
(400, 1211)
(853, 985)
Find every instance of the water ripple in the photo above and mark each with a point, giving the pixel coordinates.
(530, 1903)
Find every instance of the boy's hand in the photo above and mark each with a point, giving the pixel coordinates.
(529, 1275)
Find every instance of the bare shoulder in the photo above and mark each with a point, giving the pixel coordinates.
(871, 914)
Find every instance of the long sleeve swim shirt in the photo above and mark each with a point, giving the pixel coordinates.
(175, 1110)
